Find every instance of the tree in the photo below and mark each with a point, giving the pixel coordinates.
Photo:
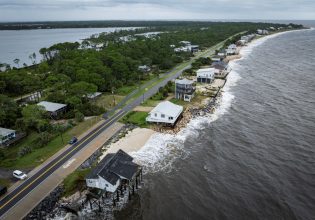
(81, 89)
(33, 116)
(2, 86)
(9, 111)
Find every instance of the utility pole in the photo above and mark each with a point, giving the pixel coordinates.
(113, 95)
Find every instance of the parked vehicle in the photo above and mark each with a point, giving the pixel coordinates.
(73, 140)
(19, 174)
(3, 190)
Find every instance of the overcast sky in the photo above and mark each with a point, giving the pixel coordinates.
(44, 10)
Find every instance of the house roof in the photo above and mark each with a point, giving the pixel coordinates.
(51, 106)
(115, 166)
(219, 64)
(168, 108)
(5, 131)
(205, 70)
(184, 81)
(94, 95)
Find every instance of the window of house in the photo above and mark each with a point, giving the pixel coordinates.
(106, 185)
(170, 118)
(155, 114)
(162, 116)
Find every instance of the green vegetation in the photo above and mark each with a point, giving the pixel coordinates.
(136, 118)
(38, 154)
(179, 102)
(75, 182)
(5, 182)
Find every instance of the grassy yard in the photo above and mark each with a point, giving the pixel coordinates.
(75, 181)
(39, 155)
(136, 118)
(151, 103)
(179, 102)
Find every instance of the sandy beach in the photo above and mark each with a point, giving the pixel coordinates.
(132, 142)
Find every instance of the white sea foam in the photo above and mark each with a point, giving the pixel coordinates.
(162, 150)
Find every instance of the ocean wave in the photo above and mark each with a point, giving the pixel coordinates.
(162, 150)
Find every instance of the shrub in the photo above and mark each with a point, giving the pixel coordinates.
(24, 150)
(79, 117)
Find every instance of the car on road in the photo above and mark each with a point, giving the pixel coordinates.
(19, 174)
(73, 140)
(3, 190)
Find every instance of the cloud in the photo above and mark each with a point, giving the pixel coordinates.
(155, 9)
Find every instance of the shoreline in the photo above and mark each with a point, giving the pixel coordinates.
(136, 139)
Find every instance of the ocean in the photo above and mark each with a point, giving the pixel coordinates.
(254, 158)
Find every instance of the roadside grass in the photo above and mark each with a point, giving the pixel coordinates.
(5, 182)
(136, 118)
(107, 101)
(75, 182)
(150, 103)
(39, 155)
(125, 90)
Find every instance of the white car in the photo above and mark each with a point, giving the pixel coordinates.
(19, 174)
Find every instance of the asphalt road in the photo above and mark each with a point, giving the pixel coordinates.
(13, 198)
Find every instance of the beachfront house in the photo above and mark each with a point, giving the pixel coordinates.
(220, 68)
(217, 58)
(231, 50)
(262, 32)
(205, 75)
(222, 53)
(184, 89)
(144, 68)
(54, 109)
(6, 135)
(165, 113)
(112, 171)
(241, 42)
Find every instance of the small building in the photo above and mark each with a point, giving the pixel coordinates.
(144, 68)
(193, 48)
(205, 75)
(182, 49)
(165, 113)
(113, 171)
(262, 32)
(222, 53)
(217, 58)
(6, 135)
(186, 43)
(241, 42)
(54, 109)
(231, 50)
(94, 95)
(172, 46)
(220, 68)
(184, 89)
